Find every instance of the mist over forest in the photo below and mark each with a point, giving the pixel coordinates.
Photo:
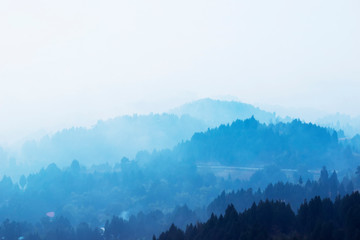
(125, 136)
(179, 120)
(170, 175)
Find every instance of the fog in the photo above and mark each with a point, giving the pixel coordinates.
(179, 120)
(71, 63)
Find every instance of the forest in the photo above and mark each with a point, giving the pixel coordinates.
(143, 196)
(179, 120)
(124, 136)
(280, 211)
(318, 219)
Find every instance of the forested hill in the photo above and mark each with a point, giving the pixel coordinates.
(124, 136)
(286, 145)
(328, 186)
(110, 140)
(237, 144)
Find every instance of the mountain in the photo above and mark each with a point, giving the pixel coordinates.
(216, 112)
(261, 142)
(110, 140)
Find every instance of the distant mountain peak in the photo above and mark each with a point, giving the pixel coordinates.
(216, 112)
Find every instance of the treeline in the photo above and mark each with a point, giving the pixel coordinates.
(112, 139)
(317, 219)
(286, 145)
(127, 226)
(81, 194)
(140, 226)
(94, 195)
(328, 186)
(295, 144)
(108, 141)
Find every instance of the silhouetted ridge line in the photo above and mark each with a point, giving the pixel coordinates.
(316, 219)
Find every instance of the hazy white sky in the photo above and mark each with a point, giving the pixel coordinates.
(71, 62)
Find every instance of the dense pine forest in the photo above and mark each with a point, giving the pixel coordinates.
(287, 197)
(316, 219)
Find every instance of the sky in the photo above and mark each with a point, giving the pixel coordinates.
(70, 63)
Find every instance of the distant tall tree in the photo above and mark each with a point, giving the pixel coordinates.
(333, 185)
(324, 176)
